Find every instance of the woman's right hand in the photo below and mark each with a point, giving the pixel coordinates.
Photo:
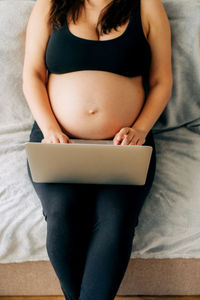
(52, 136)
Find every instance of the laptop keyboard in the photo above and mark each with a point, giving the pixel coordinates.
(82, 141)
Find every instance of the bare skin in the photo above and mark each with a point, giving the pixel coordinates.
(95, 104)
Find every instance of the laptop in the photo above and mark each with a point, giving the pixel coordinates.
(88, 161)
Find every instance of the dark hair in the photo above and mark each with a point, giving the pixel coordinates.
(114, 14)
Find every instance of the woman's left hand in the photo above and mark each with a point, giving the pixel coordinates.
(130, 136)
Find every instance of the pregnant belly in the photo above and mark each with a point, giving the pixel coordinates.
(95, 104)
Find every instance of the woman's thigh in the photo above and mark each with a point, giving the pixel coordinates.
(125, 201)
(60, 198)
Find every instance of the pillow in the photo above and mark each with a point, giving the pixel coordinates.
(14, 111)
(184, 105)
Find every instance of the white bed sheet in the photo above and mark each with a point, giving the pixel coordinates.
(169, 221)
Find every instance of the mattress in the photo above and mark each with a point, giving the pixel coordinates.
(152, 277)
(169, 221)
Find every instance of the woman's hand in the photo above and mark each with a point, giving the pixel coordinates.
(53, 136)
(130, 136)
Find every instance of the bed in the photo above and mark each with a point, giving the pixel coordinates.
(165, 258)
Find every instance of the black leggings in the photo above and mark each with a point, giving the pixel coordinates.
(90, 229)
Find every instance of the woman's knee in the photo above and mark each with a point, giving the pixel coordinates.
(117, 224)
(61, 202)
(116, 233)
(65, 204)
(118, 208)
(58, 199)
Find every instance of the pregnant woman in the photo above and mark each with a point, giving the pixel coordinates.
(95, 69)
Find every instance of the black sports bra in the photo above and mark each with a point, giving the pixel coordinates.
(128, 54)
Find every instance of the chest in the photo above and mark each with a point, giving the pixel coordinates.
(124, 52)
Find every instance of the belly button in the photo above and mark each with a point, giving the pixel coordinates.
(92, 111)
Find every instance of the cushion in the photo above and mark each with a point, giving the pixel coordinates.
(184, 105)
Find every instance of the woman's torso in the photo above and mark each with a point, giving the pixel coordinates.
(96, 104)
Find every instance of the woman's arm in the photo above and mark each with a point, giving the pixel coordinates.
(34, 70)
(35, 91)
(160, 76)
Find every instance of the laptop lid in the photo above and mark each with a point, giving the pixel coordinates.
(88, 161)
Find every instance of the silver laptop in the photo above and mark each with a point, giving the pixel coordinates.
(88, 161)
